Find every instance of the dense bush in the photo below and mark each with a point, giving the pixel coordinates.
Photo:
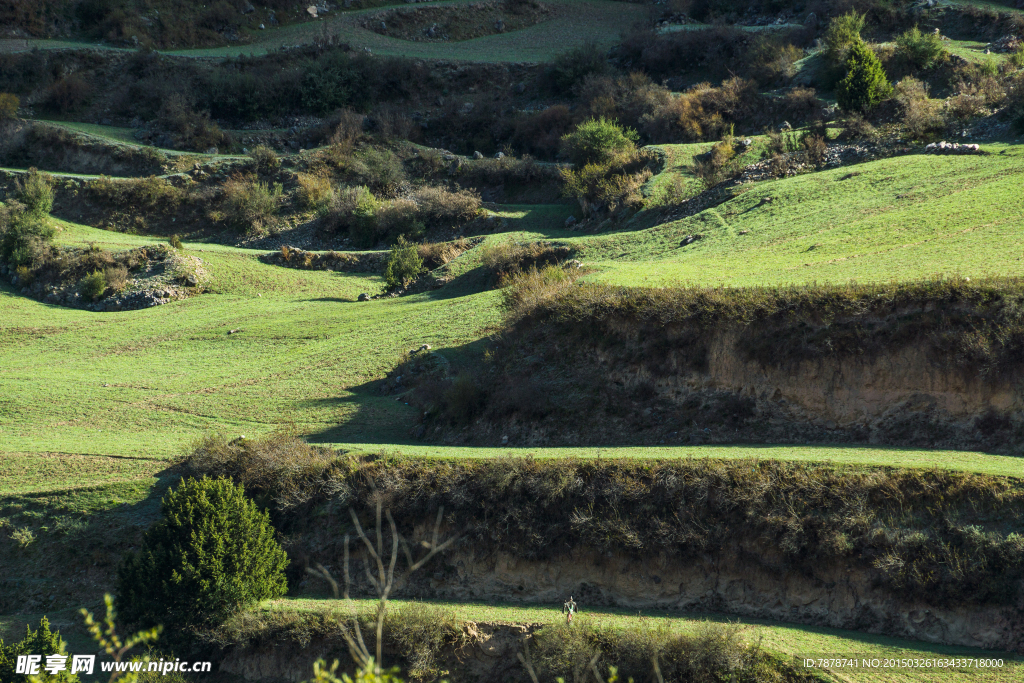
(35, 192)
(842, 34)
(922, 50)
(403, 265)
(865, 83)
(599, 141)
(922, 116)
(26, 234)
(191, 129)
(264, 159)
(315, 191)
(212, 553)
(149, 194)
(252, 204)
(9, 105)
(714, 652)
(572, 67)
(93, 285)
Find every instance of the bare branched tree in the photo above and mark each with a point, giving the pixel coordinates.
(382, 579)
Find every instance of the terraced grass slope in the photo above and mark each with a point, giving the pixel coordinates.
(147, 383)
(895, 219)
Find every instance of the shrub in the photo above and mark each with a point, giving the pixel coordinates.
(572, 67)
(922, 116)
(354, 210)
(252, 203)
(264, 159)
(439, 205)
(599, 141)
(865, 84)
(399, 218)
(9, 105)
(923, 50)
(815, 147)
(714, 652)
(148, 193)
(212, 553)
(35, 193)
(43, 642)
(25, 239)
(842, 34)
(69, 94)
(506, 259)
(379, 169)
(192, 129)
(712, 167)
(1016, 59)
(403, 265)
(175, 242)
(116, 278)
(93, 285)
(315, 190)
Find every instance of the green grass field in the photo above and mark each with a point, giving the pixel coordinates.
(793, 640)
(147, 383)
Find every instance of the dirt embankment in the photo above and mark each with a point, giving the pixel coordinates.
(926, 365)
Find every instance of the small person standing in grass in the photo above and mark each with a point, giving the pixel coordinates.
(569, 609)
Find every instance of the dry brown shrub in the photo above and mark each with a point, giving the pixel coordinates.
(116, 277)
(438, 205)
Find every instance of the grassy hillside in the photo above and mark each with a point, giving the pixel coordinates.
(149, 382)
(894, 219)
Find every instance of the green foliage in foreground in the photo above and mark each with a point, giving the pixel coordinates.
(42, 642)
(212, 553)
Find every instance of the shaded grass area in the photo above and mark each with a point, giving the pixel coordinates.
(302, 358)
(787, 639)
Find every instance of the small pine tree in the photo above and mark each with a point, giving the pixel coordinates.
(42, 642)
(865, 84)
(403, 264)
(212, 553)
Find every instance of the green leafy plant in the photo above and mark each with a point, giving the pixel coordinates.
(93, 285)
(212, 553)
(105, 635)
(842, 34)
(252, 203)
(175, 242)
(865, 84)
(25, 238)
(264, 159)
(36, 193)
(923, 50)
(599, 141)
(403, 265)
